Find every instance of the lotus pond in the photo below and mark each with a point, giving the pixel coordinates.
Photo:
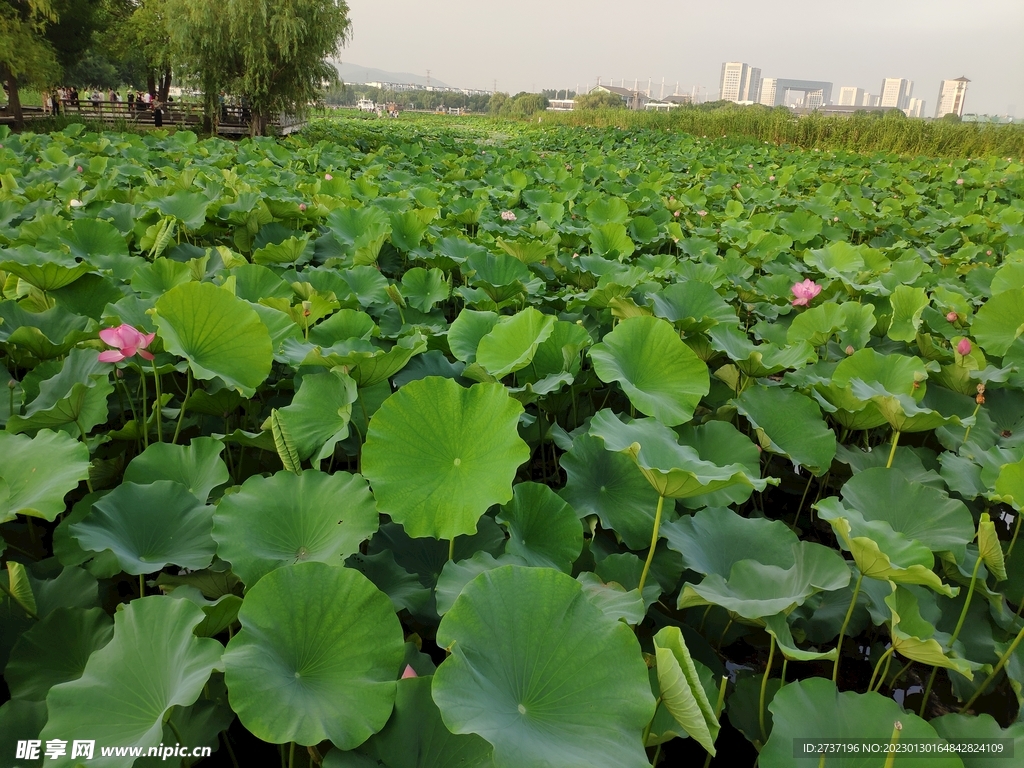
(421, 445)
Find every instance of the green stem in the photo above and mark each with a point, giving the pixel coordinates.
(886, 657)
(131, 404)
(145, 420)
(181, 413)
(647, 730)
(291, 755)
(718, 710)
(785, 663)
(654, 542)
(995, 671)
(967, 433)
(846, 623)
(764, 688)
(892, 452)
(177, 735)
(1013, 540)
(142, 585)
(451, 549)
(803, 498)
(657, 755)
(896, 728)
(230, 749)
(158, 408)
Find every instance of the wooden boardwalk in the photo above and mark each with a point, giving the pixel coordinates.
(234, 121)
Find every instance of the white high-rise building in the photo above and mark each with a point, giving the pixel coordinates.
(896, 92)
(768, 86)
(851, 96)
(951, 97)
(869, 100)
(915, 109)
(740, 82)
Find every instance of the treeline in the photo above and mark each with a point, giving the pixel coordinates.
(892, 132)
(348, 94)
(273, 55)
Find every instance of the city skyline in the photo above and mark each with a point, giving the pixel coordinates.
(543, 45)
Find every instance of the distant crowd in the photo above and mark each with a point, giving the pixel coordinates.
(63, 98)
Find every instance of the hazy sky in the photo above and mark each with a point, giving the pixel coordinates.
(535, 44)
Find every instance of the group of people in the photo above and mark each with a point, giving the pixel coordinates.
(62, 99)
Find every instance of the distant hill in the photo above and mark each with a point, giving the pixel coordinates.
(354, 73)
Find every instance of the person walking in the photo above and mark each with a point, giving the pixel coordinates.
(131, 101)
(158, 114)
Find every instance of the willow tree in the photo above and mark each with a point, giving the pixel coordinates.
(273, 52)
(25, 54)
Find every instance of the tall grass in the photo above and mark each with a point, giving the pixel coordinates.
(856, 132)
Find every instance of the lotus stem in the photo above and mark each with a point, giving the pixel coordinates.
(995, 671)
(764, 687)
(157, 407)
(142, 585)
(145, 421)
(803, 498)
(131, 404)
(657, 755)
(451, 549)
(181, 413)
(1013, 540)
(846, 623)
(718, 709)
(647, 730)
(785, 663)
(967, 433)
(654, 542)
(892, 451)
(291, 755)
(893, 740)
(886, 657)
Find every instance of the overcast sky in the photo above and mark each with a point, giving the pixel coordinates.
(535, 44)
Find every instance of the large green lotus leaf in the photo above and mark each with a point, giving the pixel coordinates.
(915, 638)
(198, 466)
(753, 567)
(45, 271)
(918, 512)
(369, 367)
(999, 322)
(438, 455)
(760, 359)
(153, 663)
(416, 737)
(149, 527)
(46, 334)
(55, 650)
(802, 226)
(187, 207)
(37, 472)
(407, 230)
(903, 412)
(288, 251)
(682, 693)
(542, 528)
(606, 483)
(466, 331)
(693, 306)
(317, 657)
(561, 350)
(542, 674)
(778, 627)
(793, 425)
(908, 302)
(614, 600)
(608, 210)
(513, 341)
(883, 554)
(956, 727)
(660, 374)
(22, 720)
(424, 288)
(75, 398)
(674, 470)
(288, 518)
(99, 242)
(896, 374)
(220, 335)
(456, 574)
(814, 709)
(852, 322)
(721, 443)
(611, 241)
(1009, 485)
(319, 414)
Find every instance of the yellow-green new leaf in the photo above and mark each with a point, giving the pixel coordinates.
(681, 691)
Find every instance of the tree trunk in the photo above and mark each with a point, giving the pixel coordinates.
(151, 83)
(258, 124)
(14, 100)
(165, 85)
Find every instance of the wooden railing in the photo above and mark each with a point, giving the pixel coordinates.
(233, 120)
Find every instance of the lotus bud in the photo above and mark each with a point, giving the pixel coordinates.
(328, 177)
(964, 346)
(408, 672)
(395, 295)
(981, 389)
(849, 349)
(952, 316)
(302, 206)
(12, 384)
(771, 178)
(676, 214)
(307, 308)
(78, 169)
(980, 399)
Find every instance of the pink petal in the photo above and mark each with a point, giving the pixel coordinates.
(111, 336)
(801, 302)
(147, 339)
(147, 355)
(111, 356)
(128, 351)
(964, 347)
(409, 672)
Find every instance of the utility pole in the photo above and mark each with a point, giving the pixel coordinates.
(495, 90)
(428, 78)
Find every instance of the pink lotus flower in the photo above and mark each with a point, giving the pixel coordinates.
(128, 341)
(959, 182)
(963, 347)
(702, 213)
(409, 672)
(328, 176)
(771, 178)
(676, 214)
(302, 206)
(79, 169)
(804, 292)
(508, 216)
(952, 317)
